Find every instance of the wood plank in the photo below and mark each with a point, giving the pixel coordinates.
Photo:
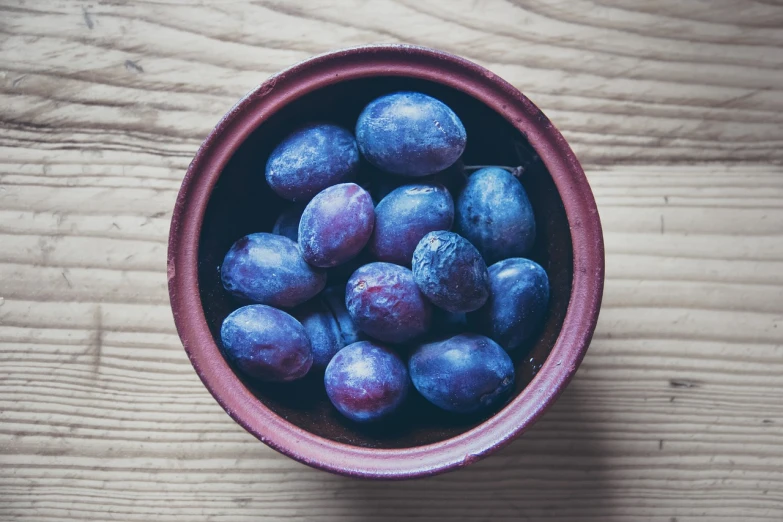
(674, 411)
(622, 81)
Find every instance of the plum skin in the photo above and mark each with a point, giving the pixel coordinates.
(410, 134)
(328, 325)
(517, 305)
(336, 225)
(266, 343)
(494, 213)
(405, 215)
(385, 303)
(466, 373)
(366, 381)
(310, 159)
(269, 269)
(451, 272)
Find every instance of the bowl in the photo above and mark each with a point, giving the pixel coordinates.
(224, 196)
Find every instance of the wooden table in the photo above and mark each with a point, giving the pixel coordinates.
(676, 111)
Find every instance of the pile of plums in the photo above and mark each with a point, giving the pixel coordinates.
(433, 255)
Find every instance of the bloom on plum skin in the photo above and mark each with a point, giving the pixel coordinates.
(480, 373)
(266, 343)
(410, 134)
(310, 159)
(385, 303)
(494, 213)
(366, 381)
(336, 225)
(268, 269)
(517, 305)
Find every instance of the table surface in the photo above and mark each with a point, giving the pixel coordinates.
(676, 111)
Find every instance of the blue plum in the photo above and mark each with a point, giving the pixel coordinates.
(466, 373)
(494, 213)
(366, 381)
(266, 343)
(269, 269)
(385, 303)
(287, 223)
(517, 305)
(450, 272)
(410, 134)
(404, 216)
(328, 325)
(313, 157)
(336, 225)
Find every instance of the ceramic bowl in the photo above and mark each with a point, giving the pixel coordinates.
(224, 196)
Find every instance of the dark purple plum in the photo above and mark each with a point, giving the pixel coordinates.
(385, 303)
(336, 225)
(450, 272)
(328, 325)
(494, 214)
(410, 134)
(366, 381)
(266, 343)
(404, 216)
(313, 157)
(269, 269)
(287, 223)
(517, 304)
(466, 373)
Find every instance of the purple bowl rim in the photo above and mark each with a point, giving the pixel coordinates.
(362, 62)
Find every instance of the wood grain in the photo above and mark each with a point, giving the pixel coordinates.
(676, 110)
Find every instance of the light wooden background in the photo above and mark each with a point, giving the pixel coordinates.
(675, 109)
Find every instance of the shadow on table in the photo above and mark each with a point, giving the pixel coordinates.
(556, 471)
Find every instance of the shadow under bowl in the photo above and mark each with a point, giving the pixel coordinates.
(224, 196)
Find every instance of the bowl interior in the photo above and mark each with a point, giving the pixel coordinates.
(242, 203)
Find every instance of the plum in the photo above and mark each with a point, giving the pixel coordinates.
(385, 303)
(466, 373)
(366, 381)
(269, 269)
(517, 305)
(450, 272)
(266, 343)
(410, 134)
(310, 159)
(336, 225)
(493, 213)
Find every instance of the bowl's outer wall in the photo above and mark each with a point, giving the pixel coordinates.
(417, 453)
